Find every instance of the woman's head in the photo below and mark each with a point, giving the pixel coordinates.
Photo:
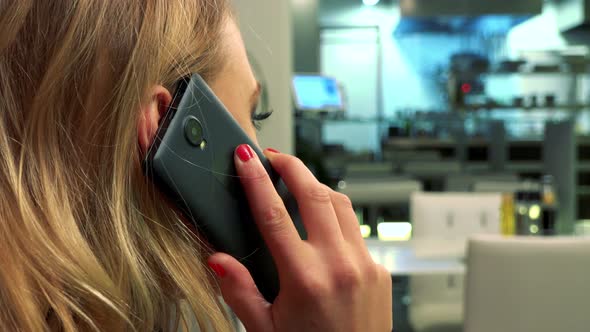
(85, 240)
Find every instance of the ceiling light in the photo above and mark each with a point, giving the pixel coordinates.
(370, 2)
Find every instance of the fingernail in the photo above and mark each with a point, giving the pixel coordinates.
(218, 269)
(244, 152)
(273, 150)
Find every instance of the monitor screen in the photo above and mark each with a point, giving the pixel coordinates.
(317, 93)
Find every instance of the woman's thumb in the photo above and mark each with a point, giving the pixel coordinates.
(241, 294)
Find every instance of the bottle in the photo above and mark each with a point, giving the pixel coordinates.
(549, 206)
(527, 208)
(507, 223)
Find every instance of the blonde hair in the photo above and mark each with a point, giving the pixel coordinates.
(86, 243)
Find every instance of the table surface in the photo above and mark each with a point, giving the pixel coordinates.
(401, 260)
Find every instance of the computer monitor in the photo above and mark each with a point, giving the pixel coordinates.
(314, 92)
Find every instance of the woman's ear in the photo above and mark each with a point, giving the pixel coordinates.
(151, 113)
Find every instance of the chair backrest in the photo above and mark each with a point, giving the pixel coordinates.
(443, 222)
(436, 302)
(528, 284)
(442, 288)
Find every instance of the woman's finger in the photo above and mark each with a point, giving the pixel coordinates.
(272, 218)
(313, 198)
(240, 293)
(347, 219)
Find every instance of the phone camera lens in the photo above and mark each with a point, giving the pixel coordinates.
(193, 131)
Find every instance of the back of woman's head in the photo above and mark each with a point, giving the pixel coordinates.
(85, 242)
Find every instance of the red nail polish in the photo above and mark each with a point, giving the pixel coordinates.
(218, 269)
(273, 150)
(244, 152)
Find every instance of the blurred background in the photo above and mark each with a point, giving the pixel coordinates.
(460, 130)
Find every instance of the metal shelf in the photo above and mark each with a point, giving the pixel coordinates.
(345, 119)
(533, 73)
(584, 166)
(583, 191)
(524, 108)
(521, 73)
(524, 166)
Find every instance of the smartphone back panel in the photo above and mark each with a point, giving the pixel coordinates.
(203, 183)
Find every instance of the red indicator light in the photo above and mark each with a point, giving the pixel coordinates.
(466, 88)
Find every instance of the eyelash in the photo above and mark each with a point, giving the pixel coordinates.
(257, 118)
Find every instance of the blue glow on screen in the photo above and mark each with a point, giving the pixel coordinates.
(317, 93)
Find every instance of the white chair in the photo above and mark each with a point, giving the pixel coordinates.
(436, 302)
(442, 224)
(528, 284)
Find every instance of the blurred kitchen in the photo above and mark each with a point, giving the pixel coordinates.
(445, 119)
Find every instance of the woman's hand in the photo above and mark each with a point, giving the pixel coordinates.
(329, 282)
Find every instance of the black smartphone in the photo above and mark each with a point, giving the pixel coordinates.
(192, 162)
